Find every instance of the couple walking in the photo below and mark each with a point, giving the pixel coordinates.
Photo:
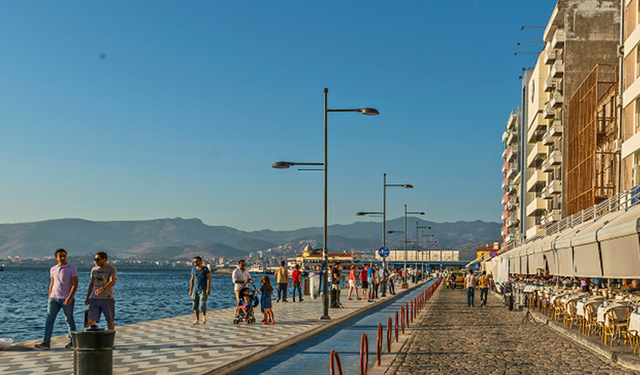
(471, 282)
(282, 278)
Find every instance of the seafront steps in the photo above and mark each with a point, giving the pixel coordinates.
(174, 345)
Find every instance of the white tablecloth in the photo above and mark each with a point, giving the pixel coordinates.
(634, 323)
(580, 308)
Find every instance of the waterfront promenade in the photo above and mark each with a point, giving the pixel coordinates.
(174, 346)
(452, 338)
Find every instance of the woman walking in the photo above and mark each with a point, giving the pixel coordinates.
(353, 282)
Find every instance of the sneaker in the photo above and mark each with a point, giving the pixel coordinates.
(278, 300)
(284, 300)
(301, 300)
(196, 322)
(263, 320)
(43, 345)
(273, 322)
(204, 319)
(370, 300)
(69, 345)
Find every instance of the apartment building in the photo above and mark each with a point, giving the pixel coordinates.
(534, 150)
(630, 130)
(511, 178)
(579, 36)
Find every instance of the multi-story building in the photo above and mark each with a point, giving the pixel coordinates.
(578, 36)
(511, 178)
(535, 151)
(629, 135)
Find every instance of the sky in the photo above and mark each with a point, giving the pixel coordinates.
(137, 110)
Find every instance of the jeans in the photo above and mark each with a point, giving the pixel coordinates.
(392, 288)
(296, 286)
(483, 296)
(282, 291)
(55, 304)
(470, 293)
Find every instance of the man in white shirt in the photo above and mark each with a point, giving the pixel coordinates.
(470, 282)
(240, 277)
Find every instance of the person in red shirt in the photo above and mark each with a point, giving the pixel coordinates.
(363, 281)
(295, 278)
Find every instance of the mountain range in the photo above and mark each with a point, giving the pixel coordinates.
(183, 238)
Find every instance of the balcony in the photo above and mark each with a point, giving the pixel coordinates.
(538, 126)
(536, 207)
(512, 204)
(538, 179)
(554, 215)
(557, 69)
(537, 152)
(511, 137)
(556, 100)
(555, 187)
(504, 168)
(504, 216)
(511, 222)
(505, 134)
(511, 172)
(504, 184)
(558, 39)
(551, 56)
(513, 151)
(549, 112)
(549, 84)
(555, 157)
(504, 153)
(547, 167)
(553, 131)
(502, 232)
(504, 200)
(513, 188)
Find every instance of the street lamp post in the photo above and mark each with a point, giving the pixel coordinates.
(405, 285)
(325, 252)
(384, 223)
(418, 243)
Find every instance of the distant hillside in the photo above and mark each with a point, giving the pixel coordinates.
(186, 237)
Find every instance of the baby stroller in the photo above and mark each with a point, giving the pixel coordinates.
(248, 296)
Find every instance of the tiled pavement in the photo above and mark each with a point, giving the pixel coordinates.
(174, 346)
(455, 339)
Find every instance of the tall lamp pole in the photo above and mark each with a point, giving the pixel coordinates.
(418, 243)
(405, 284)
(325, 251)
(384, 223)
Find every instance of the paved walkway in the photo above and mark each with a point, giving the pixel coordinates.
(455, 339)
(174, 346)
(311, 356)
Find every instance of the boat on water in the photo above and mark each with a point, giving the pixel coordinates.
(310, 258)
(260, 270)
(2, 267)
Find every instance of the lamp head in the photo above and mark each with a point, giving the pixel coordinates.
(420, 213)
(361, 214)
(407, 186)
(282, 165)
(369, 111)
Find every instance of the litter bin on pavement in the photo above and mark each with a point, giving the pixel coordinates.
(93, 351)
(305, 287)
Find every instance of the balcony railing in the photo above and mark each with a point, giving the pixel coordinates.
(558, 39)
(537, 152)
(549, 112)
(555, 187)
(551, 55)
(549, 84)
(557, 69)
(537, 179)
(535, 207)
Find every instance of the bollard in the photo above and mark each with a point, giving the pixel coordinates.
(402, 319)
(396, 325)
(379, 344)
(335, 357)
(364, 359)
(406, 312)
(389, 325)
(93, 351)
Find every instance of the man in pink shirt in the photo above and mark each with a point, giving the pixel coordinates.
(63, 286)
(296, 279)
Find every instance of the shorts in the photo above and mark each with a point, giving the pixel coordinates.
(106, 306)
(199, 300)
(364, 283)
(352, 283)
(372, 286)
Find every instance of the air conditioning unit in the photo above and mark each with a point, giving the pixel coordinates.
(617, 145)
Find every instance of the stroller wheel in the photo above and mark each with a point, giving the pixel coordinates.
(235, 321)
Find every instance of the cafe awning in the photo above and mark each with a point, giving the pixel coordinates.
(620, 245)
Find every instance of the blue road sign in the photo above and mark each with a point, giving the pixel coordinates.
(384, 252)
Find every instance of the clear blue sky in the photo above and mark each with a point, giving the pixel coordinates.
(194, 100)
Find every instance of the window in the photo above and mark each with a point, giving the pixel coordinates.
(636, 120)
(637, 61)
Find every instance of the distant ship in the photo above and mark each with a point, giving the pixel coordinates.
(260, 270)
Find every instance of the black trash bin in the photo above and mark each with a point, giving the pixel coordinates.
(93, 351)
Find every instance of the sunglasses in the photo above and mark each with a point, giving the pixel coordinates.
(97, 259)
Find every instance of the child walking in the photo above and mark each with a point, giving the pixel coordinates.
(266, 291)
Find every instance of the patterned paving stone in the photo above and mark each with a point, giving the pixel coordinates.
(455, 339)
(174, 346)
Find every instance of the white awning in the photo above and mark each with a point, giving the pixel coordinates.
(564, 250)
(549, 252)
(620, 245)
(586, 250)
(536, 259)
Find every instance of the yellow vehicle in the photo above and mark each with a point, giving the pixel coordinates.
(455, 280)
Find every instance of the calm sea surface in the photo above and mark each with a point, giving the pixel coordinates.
(141, 295)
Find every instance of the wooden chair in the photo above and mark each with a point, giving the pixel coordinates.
(570, 316)
(590, 324)
(616, 323)
(558, 310)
